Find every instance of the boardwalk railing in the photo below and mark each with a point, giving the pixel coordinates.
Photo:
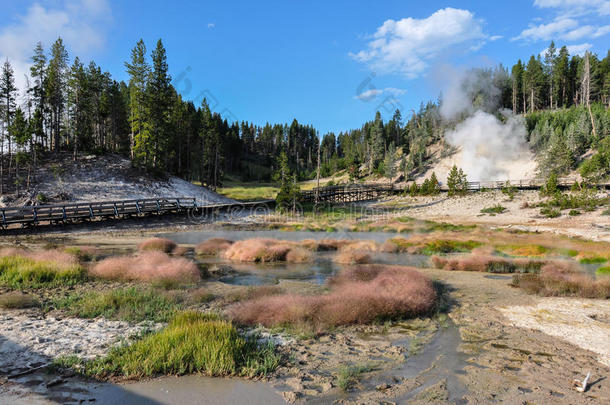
(32, 215)
(86, 211)
(369, 191)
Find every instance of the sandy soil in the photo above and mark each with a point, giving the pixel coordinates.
(467, 210)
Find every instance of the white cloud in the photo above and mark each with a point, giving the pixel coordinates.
(406, 46)
(211, 25)
(372, 93)
(81, 23)
(495, 37)
(569, 21)
(575, 7)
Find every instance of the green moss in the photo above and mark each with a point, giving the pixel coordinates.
(18, 272)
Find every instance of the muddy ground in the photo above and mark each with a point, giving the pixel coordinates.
(493, 343)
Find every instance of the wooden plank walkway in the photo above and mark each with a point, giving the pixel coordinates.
(369, 191)
(88, 211)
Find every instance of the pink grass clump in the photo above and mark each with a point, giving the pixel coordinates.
(352, 257)
(158, 245)
(213, 246)
(260, 250)
(147, 266)
(359, 295)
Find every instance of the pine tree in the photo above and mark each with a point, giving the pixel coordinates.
(56, 89)
(550, 59)
(390, 163)
(138, 71)
(376, 143)
(8, 95)
(457, 182)
(517, 86)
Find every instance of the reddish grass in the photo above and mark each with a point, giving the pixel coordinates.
(486, 263)
(147, 266)
(213, 246)
(180, 251)
(359, 295)
(59, 258)
(267, 250)
(350, 257)
(388, 247)
(359, 246)
(252, 293)
(563, 279)
(157, 244)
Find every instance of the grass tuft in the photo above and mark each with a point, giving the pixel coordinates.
(360, 294)
(496, 209)
(128, 304)
(348, 376)
(17, 272)
(213, 246)
(157, 245)
(192, 343)
(151, 266)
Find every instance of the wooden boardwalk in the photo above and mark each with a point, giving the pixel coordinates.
(54, 214)
(369, 191)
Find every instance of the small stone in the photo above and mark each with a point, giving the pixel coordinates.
(291, 396)
(383, 387)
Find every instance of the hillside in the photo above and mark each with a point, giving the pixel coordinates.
(101, 178)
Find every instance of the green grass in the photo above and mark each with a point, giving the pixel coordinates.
(593, 260)
(191, 343)
(18, 272)
(496, 209)
(348, 376)
(129, 304)
(249, 191)
(431, 226)
(442, 246)
(603, 271)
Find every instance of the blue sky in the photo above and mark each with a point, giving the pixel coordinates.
(329, 64)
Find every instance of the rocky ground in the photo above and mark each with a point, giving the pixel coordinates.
(467, 210)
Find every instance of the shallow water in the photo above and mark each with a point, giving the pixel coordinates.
(317, 272)
(196, 237)
(192, 389)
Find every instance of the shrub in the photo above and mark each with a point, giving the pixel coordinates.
(148, 266)
(496, 209)
(201, 295)
(213, 246)
(260, 250)
(129, 304)
(361, 294)
(574, 213)
(17, 300)
(550, 212)
(352, 257)
(457, 182)
(509, 191)
(157, 245)
(191, 343)
(593, 260)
